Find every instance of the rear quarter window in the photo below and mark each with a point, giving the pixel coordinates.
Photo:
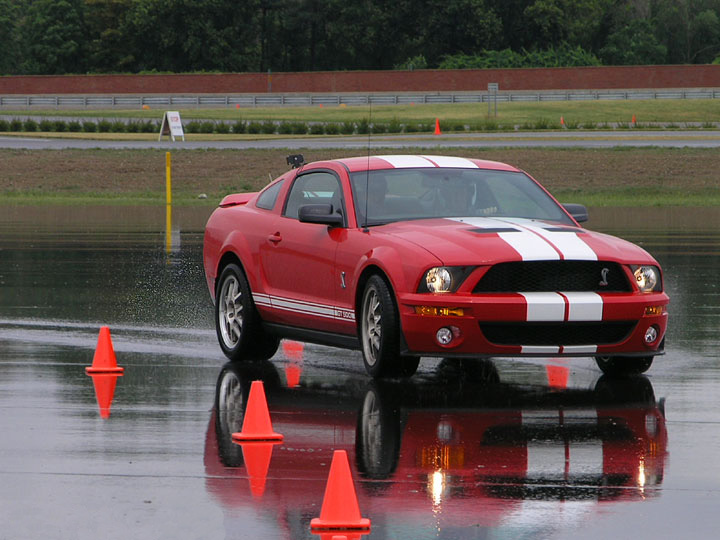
(268, 198)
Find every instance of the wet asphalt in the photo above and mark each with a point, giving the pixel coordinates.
(547, 448)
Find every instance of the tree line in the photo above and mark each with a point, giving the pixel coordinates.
(180, 36)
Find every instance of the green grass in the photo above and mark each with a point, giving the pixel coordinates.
(83, 198)
(673, 111)
(594, 177)
(637, 198)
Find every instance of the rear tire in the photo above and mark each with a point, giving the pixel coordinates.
(380, 333)
(237, 322)
(616, 366)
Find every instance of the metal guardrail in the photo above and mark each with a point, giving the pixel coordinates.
(296, 100)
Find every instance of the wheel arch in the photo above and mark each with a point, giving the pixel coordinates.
(367, 273)
(227, 258)
(235, 250)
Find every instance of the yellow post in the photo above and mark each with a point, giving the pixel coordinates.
(168, 181)
(168, 204)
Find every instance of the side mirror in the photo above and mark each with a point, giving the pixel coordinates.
(577, 211)
(320, 213)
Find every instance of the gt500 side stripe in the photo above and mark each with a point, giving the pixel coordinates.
(301, 306)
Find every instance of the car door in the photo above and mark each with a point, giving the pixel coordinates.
(298, 259)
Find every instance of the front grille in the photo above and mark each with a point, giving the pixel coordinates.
(557, 333)
(551, 276)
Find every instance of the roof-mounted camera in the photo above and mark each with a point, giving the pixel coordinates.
(295, 160)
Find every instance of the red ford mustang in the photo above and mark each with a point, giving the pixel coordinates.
(410, 256)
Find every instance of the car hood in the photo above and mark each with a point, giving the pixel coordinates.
(462, 241)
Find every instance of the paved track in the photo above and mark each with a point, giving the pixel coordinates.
(563, 139)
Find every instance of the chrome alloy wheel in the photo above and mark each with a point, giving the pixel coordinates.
(230, 306)
(371, 325)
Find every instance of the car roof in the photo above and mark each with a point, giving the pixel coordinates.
(372, 163)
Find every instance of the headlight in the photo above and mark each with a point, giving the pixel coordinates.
(647, 278)
(438, 279)
(442, 279)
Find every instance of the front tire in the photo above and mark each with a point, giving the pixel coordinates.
(237, 322)
(616, 366)
(380, 332)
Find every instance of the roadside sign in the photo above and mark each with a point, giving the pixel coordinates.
(492, 96)
(171, 125)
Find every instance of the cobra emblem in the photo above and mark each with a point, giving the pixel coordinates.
(603, 274)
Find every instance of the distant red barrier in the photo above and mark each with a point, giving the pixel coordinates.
(471, 80)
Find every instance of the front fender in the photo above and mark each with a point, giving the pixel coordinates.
(402, 268)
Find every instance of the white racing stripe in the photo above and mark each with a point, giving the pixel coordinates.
(301, 306)
(568, 243)
(529, 246)
(579, 349)
(587, 416)
(586, 459)
(584, 306)
(539, 417)
(540, 349)
(544, 306)
(554, 460)
(550, 306)
(535, 242)
(452, 162)
(404, 162)
(545, 461)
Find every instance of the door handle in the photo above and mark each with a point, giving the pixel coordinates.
(274, 238)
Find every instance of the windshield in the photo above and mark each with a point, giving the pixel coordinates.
(405, 194)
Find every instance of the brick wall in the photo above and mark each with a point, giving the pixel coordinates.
(473, 80)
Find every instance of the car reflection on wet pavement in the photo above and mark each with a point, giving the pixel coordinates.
(460, 448)
(544, 448)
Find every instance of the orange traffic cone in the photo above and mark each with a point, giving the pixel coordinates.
(437, 127)
(557, 376)
(562, 122)
(292, 375)
(104, 384)
(104, 360)
(340, 508)
(293, 349)
(256, 425)
(634, 120)
(336, 536)
(257, 462)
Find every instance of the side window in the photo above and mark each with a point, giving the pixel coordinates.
(314, 188)
(268, 198)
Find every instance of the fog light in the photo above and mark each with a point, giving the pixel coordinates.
(651, 334)
(444, 336)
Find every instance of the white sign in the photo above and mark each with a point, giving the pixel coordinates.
(171, 125)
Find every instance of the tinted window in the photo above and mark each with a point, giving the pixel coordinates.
(314, 188)
(269, 196)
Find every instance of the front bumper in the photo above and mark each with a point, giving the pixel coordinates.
(536, 324)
